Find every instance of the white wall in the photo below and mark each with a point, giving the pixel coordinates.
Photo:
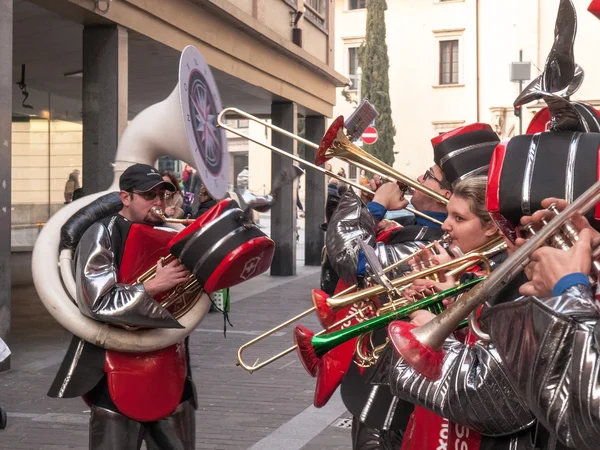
(420, 108)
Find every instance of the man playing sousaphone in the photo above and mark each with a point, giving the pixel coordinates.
(101, 297)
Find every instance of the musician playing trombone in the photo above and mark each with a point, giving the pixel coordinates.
(384, 420)
(549, 340)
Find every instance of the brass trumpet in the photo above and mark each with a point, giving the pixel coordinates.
(368, 358)
(320, 303)
(327, 308)
(344, 148)
(312, 347)
(340, 301)
(421, 347)
(183, 297)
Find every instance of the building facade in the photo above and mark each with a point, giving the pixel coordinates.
(73, 73)
(449, 64)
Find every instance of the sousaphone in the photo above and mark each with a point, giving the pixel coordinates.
(182, 126)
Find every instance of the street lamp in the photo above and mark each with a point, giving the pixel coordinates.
(519, 72)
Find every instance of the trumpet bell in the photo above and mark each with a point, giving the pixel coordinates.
(334, 132)
(324, 312)
(335, 144)
(306, 352)
(425, 360)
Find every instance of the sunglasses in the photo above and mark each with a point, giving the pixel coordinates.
(151, 195)
(430, 176)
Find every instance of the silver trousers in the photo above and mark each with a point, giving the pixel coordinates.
(110, 430)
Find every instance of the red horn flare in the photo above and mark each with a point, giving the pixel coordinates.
(420, 357)
(327, 140)
(306, 352)
(331, 370)
(324, 312)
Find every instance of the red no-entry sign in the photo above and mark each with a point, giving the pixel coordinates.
(370, 135)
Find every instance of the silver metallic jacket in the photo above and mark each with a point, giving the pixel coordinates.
(350, 223)
(100, 297)
(550, 348)
(473, 391)
(391, 254)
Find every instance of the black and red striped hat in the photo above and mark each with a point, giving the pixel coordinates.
(465, 151)
(530, 168)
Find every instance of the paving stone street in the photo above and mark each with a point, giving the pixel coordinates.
(269, 409)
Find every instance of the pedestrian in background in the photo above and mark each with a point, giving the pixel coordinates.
(71, 185)
(174, 202)
(186, 177)
(205, 202)
(243, 179)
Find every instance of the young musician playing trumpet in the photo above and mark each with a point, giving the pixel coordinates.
(473, 391)
(469, 226)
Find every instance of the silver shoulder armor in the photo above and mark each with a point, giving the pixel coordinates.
(100, 297)
(550, 348)
(350, 222)
(390, 254)
(473, 391)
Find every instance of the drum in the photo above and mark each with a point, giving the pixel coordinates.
(529, 168)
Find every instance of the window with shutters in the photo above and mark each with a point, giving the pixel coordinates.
(449, 62)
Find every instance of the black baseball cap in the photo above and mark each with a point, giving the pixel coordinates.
(142, 177)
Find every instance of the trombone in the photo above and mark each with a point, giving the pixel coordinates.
(340, 300)
(340, 147)
(312, 347)
(319, 303)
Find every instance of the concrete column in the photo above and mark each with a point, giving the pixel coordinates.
(283, 214)
(105, 68)
(6, 64)
(315, 195)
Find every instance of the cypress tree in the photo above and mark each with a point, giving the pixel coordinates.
(375, 85)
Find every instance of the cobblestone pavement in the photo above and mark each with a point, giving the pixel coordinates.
(237, 410)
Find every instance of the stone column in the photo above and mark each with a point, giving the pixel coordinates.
(105, 69)
(283, 214)
(315, 195)
(6, 64)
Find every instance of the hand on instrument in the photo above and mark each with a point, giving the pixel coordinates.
(421, 317)
(390, 196)
(167, 277)
(386, 224)
(426, 259)
(373, 185)
(422, 288)
(548, 265)
(170, 211)
(579, 221)
(442, 257)
(375, 182)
